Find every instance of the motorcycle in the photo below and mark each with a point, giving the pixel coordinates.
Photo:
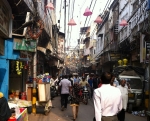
(54, 92)
(85, 95)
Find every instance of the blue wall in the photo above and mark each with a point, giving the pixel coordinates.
(10, 54)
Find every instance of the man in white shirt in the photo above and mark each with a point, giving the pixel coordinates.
(107, 100)
(124, 91)
(65, 85)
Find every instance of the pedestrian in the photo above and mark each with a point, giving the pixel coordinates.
(83, 82)
(107, 100)
(76, 79)
(5, 112)
(90, 81)
(124, 92)
(75, 99)
(96, 82)
(114, 81)
(52, 80)
(65, 85)
(71, 79)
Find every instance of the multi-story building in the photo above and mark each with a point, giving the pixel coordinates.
(115, 41)
(29, 29)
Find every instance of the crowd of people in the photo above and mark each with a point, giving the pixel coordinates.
(109, 96)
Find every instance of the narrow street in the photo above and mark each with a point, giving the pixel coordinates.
(86, 113)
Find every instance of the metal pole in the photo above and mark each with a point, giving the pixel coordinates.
(34, 82)
(148, 117)
(34, 68)
(65, 20)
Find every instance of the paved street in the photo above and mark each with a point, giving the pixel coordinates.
(86, 113)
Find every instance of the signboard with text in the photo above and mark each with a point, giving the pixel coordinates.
(25, 45)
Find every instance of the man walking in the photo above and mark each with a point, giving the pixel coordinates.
(96, 82)
(124, 91)
(90, 81)
(107, 100)
(65, 85)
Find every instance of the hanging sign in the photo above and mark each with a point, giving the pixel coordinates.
(19, 67)
(26, 45)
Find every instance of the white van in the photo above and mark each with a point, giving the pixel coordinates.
(135, 82)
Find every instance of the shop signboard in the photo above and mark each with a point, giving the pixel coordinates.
(5, 19)
(25, 45)
(114, 56)
(147, 46)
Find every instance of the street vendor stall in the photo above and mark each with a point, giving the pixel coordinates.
(20, 112)
(22, 116)
(44, 98)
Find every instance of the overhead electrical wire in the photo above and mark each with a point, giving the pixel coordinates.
(79, 22)
(73, 4)
(106, 6)
(92, 10)
(101, 14)
(68, 21)
(90, 16)
(69, 35)
(86, 17)
(85, 20)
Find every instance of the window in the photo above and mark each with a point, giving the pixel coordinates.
(135, 83)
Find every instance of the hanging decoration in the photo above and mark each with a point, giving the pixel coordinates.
(50, 6)
(35, 34)
(98, 20)
(19, 67)
(87, 12)
(71, 22)
(123, 23)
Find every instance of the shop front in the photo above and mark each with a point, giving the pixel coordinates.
(6, 46)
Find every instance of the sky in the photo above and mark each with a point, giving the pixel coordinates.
(79, 8)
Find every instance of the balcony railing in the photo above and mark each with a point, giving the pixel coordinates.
(139, 14)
